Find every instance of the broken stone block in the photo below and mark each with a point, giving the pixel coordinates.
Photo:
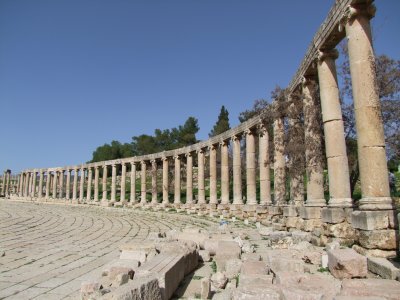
(198, 238)
(382, 267)
(286, 264)
(265, 230)
(136, 251)
(292, 222)
(219, 280)
(187, 248)
(204, 256)
(90, 290)
(358, 298)
(370, 220)
(121, 263)
(302, 246)
(114, 271)
(332, 215)
(290, 211)
(310, 224)
(169, 269)
(255, 280)
(211, 246)
(378, 239)
(251, 256)
(278, 235)
(389, 289)
(324, 260)
(143, 288)
(120, 279)
(205, 288)
(228, 249)
(346, 263)
(301, 236)
(375, 252)
(341, 230)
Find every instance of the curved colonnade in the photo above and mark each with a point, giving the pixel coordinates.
(374, 212)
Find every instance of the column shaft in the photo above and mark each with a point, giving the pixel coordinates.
(251, 168)
(113, 182)
(40, 190)
(224, 172)
(154, 182)
(123, 182)
(81, 185)
(61, 192)
(237, 172)
(279, 163)
(264, 162)
(96, 183)
(48, 176)
(104, 184)
(200, 177)
(143, 199)
(165, 180)
(189, 178)
(89, 185)
(213, 174)
(68, 185)
(133, 184)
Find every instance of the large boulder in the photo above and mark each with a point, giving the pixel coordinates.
(347, 263)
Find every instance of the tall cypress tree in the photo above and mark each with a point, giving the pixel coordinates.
(222, 124)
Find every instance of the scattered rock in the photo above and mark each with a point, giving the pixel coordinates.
(382, 267)
(346, 263)
(219, 280)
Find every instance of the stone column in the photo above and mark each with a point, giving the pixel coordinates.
(264, 162)
(143, 166)
(48, 176)
(89, 185)
(54, 192)
(313, 144)
(165, 181)
(61, 192)
(200, 177)
(104, 184)
(21, 184)
(33, 183)
(40, 190)
(213, 174)
(75, 185)
(335, 144)
(279, 163)
(123, 182)
(237, 171)
(113, 182)
(96, 183)
(154, 200)
(189, 178)
(224, 172)
(7, 192)
(295, 149)
(18, 183)
(251, 167)
(82, 184)
(132, 199)
(3, 184)
(28, 193)
(177, 185)
(370, 136)
(68, 185)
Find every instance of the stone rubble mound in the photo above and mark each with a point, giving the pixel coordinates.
(241, 262)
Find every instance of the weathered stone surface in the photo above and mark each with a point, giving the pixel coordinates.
(204, 255)
(90, 290)
(382, 267)
(122, 263)
(380, 239)
(332, 215)
(255, 280)
(219, 280)
(358, 298)
(275, 236)
(375, 252)
(300, 236)
(290, 211)
(389, 289)
(270, 292)
(370, 220)
(346, 263)
(292, 222)
(211, 246)
(144, 288)
(229, 249)
(308, 213)
(311, 224)
(254, 268)
(286, 264)
(341, 230)
(205, 288)
(198, 238)
(232, 267)
(251, 256)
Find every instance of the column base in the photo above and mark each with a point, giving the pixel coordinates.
(340, 202)
(308, 213)
(376, 203)
(315, 202)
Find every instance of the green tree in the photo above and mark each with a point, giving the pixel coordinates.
(222, 124)
(114, 150)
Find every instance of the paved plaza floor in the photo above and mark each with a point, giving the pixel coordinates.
(51, 248)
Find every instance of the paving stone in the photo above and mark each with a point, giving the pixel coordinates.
(388, 289)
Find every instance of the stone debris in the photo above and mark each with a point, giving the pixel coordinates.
(244, 264)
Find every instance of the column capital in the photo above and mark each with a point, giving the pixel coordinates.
(250, 131)
(367, 9)
(212, 147)
(262, 129)
(189, 154)
(224, 143)
(177, 157)
(201, 150)
(237, 137)
(153, 161)
(165, 158)
(308, 80)
(327, 53)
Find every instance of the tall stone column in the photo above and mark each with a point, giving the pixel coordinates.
(177, 185)
(75, 185)
(113, 182)
(3, 184)
(251, 167)
(165, 181)
(40, 190)
(143, 199)
(189, 178)
(18, 183)
(237, 171)
(7, 192)
(335, 144)
(123, 182)
(279, 163)
(61, 192)
(132, 197)
(296, 150)
(104, 184)
(68, 185)
(54, 193)
(82, 184)
(313, 145)
(21, 185)
(154, 199)
(48, 176)
(34, 175)
(264, 162)
(213, 174)
(224, 172)
(89, 185)
(370, 136)
(29, 192)
(96, 183)
(200, 177)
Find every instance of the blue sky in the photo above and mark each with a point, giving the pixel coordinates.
(75, 74)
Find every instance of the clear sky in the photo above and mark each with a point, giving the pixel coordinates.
(75, 74)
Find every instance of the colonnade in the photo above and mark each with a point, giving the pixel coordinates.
(240, 180)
